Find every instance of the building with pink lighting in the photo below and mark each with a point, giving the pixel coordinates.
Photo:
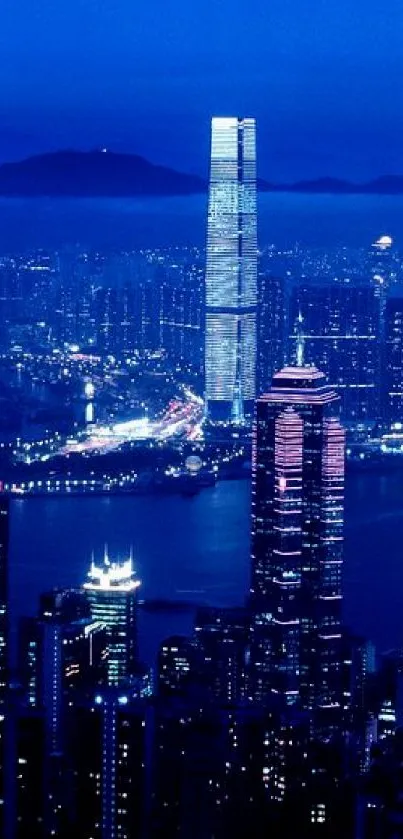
(297, 543)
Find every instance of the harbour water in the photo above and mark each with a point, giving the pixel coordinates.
(197, 549)
(284, 218)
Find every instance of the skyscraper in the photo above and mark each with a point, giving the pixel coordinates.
(297, 542)
(231, 270)
(108, 751)
(4, 538)
(393, 392)
(112, 595)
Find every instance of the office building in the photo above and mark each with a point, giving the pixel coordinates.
(108, 752)
(393, 391)
(176, 666)
(231, 271)
(112, 594)
(297, 543)
(222, 637)
(340, 329)
(62, 656)
(4, 540)
(62, 648)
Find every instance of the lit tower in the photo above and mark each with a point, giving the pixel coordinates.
(112, 595)
(231, 271)
(297, 542)
(4, 544)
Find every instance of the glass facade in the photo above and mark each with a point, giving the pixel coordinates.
(4, 540)
(112, 595)
(231, 268)
(297, 542)
(393, 398)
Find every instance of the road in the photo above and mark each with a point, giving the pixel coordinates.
(182, 418)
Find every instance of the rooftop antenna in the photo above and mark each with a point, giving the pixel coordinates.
(300, 341)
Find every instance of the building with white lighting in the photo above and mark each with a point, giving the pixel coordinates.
(231, 271)
(109, 754)
(112, 594)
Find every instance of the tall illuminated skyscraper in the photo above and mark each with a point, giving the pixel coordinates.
(297, 543)
(112, 595)
(231, 270)
(4, 540)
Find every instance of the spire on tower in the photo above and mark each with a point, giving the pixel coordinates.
(300, 341)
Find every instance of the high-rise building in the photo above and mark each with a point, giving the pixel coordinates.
(297, 543)
(107, 747)
(4, 539)
(340, 329)
(112, 595)
(63, 655)
(222, 637)
(393, 397)
(176, 666)
(61, 652)
(231, 270)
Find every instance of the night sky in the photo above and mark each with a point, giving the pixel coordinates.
(322, 77)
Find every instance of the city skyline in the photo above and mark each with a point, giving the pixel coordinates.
(201, 427)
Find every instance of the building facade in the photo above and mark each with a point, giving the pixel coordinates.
(393, 397)
(297, 543)
(112, 594)
(4, 540)
(231, 271)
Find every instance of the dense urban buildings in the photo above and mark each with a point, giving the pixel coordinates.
(269, 716)
(272, 328)
(340, 328)
(231, 271)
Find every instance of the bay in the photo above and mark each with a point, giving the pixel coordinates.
(197, 549)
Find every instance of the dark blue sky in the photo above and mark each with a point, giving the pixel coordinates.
(323, 78)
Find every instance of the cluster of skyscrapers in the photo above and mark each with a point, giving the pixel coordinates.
(256, 321)
(270, 718)
(265, 719)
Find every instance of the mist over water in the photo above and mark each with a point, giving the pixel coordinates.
(314, 220)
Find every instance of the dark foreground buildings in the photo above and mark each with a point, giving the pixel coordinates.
(271, 719)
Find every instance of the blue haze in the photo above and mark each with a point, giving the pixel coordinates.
(315, 220)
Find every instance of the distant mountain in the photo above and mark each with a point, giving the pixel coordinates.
(385, 185)
(94, 174)
(321, 185)
(108, 174)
